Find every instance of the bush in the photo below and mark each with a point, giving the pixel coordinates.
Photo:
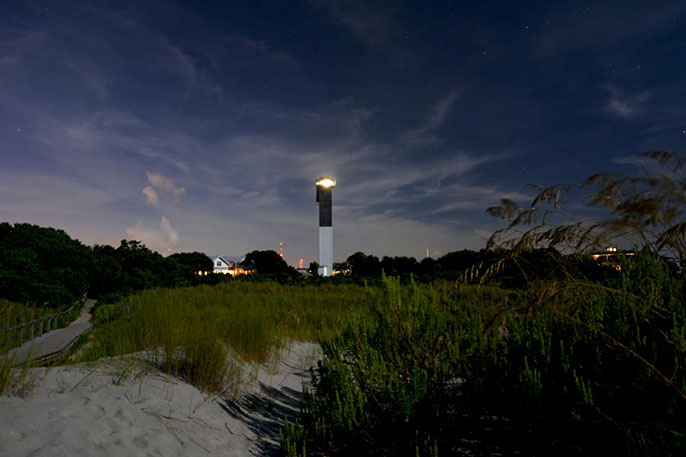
(565, 369)
(382, 381)
(595, 371)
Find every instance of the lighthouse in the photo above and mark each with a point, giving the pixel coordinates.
(324, 186)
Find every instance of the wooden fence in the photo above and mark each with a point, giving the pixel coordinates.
(42, 324)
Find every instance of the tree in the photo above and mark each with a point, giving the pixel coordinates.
(141, 267)
(266, 263)
(428, 268)
(42, 265)
(398, 266)
(184, 266)
(313, 269)
(459, 261)
(196, 261)
(106, 274)
(364, 265)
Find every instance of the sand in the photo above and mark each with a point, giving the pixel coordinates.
(92, 410)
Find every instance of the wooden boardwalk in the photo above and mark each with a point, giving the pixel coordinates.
(54, 342)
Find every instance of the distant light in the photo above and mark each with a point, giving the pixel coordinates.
(326, 181)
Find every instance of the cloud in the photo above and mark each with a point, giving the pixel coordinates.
(625, 106)
(46, 195)
(441, 110)
(424, 134)
(469, 197)
(424, 180)
(248, 159)
(151, 196)
(369, 24)
(159, 238)
(163, 185)
(377, 27)
(409, 237)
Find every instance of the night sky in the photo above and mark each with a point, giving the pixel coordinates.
(203, 125)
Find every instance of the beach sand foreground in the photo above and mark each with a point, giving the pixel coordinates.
(92, 410)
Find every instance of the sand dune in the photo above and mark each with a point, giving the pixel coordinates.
(92, 410)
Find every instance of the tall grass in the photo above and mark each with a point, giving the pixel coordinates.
(5, 373)
(13, 314)
(191, 331)
(593, 370)
(16, 381)
(379, 389)
(20, 381)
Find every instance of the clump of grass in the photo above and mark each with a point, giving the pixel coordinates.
(193, 330)
(205, 363)
(380, 387)
(6, 364)
(13, 314)
(15, 381)
(553, 371)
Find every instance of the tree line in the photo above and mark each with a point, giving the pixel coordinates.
(43, 266)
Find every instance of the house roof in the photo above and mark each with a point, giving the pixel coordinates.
(227, 259)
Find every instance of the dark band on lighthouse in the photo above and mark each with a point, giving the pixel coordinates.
(324, 200)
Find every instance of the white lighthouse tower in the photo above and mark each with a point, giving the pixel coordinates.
(324, 186)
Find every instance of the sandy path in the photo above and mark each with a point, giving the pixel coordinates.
(92, 411)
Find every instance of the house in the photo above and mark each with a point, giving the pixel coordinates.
(611, 257)
(342, 268)
(228, 265)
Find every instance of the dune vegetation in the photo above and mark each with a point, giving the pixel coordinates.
(592, 370)
(572, 365)
(191, 331)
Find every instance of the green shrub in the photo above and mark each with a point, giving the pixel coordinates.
(565, 369)
(595, 370)
(380, 386)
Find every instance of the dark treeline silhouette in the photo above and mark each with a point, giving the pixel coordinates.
(466, 265)
(132, 266)
(45, 266)
(469, 265)
(41, 265)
